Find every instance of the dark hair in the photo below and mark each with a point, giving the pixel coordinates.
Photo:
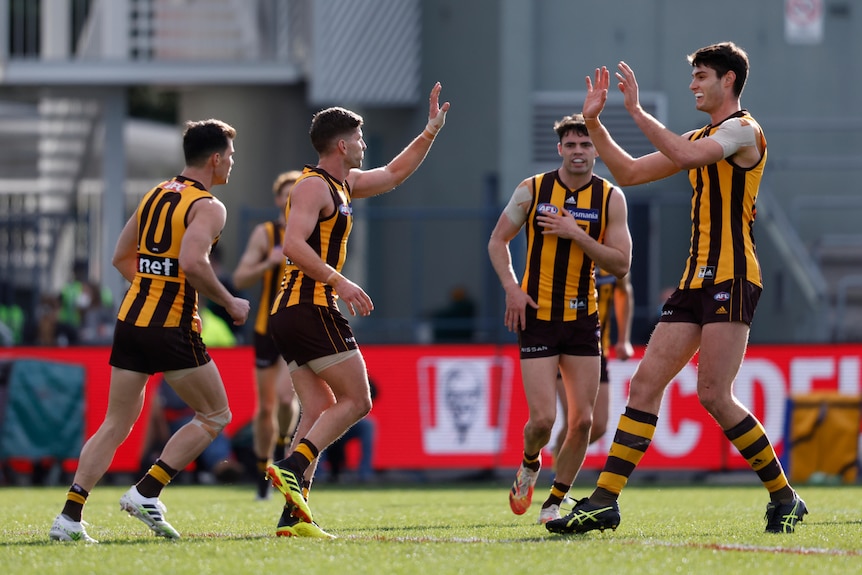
(724, 57)
(204, 138)
(574, 123)
(329, 125)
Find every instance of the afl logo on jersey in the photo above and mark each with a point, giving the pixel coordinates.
(547, 209)
(721, 296)
(346, 210)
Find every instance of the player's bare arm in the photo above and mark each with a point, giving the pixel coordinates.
(624, 304)
(380, 180)
(684, 153)
(256, 259)
(615, 252)
(310, 200)
(626, 170)
(206, 220)
(125, 257)
(508, 226)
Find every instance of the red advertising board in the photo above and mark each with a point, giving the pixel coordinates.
(462, 406)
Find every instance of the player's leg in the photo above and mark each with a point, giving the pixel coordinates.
(602, 406)
(670, 348)
(539, 376)
(288, 410)
(202, 389)
(264, 425)
(125, 402)
(720, 358)
(349, 399)
(581, 381)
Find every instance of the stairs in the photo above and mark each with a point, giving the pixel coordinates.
(44, 146)
(840, 260)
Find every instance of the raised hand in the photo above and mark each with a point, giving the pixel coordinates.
(597, 94)
(628, 85)
(436, 113)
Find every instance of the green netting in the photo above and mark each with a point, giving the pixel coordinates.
(44, 412)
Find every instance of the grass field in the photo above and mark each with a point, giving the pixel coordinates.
(438, 529)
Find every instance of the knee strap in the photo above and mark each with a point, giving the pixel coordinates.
(213, 422)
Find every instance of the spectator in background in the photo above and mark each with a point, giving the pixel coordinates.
(76, 298)
(11, 317)
(454, 323)
(49, 331)
(97, 317)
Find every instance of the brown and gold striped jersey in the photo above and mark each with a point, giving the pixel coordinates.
(559, 276)
(271, 279)
(606, 284)
(160, 295)
(722, 215)
(328, 240)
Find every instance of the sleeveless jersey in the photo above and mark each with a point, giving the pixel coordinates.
(722, 215)
(328, 240)
(271, 280)
(559, 276)
(606, 283)
(160, 295)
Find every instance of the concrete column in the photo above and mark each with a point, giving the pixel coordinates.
(56, 33)
(516, 86)
(114, 182)
(115, 29)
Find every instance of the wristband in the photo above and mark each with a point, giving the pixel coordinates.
(334, 278)
(428, 135)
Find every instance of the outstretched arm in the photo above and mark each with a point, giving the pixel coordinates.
(380, 180)
(682, 152)
(626, 170)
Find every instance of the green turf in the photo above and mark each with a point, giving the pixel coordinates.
(450, 528)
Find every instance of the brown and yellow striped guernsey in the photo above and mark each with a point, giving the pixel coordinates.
(723, 208)
(559, 276)
(606, 283)
(160, 295)
(329, 240)
(271, 278)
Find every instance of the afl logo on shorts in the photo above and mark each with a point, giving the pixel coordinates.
(721, 296)
(345, 210)
(547, 209)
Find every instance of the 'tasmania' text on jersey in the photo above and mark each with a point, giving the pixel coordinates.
(160, 295)
(559, 275)
(722, 214)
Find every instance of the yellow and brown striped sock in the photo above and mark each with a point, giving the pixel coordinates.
(749, 438)
(634, 434)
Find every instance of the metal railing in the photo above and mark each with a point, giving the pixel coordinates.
(154, 30)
